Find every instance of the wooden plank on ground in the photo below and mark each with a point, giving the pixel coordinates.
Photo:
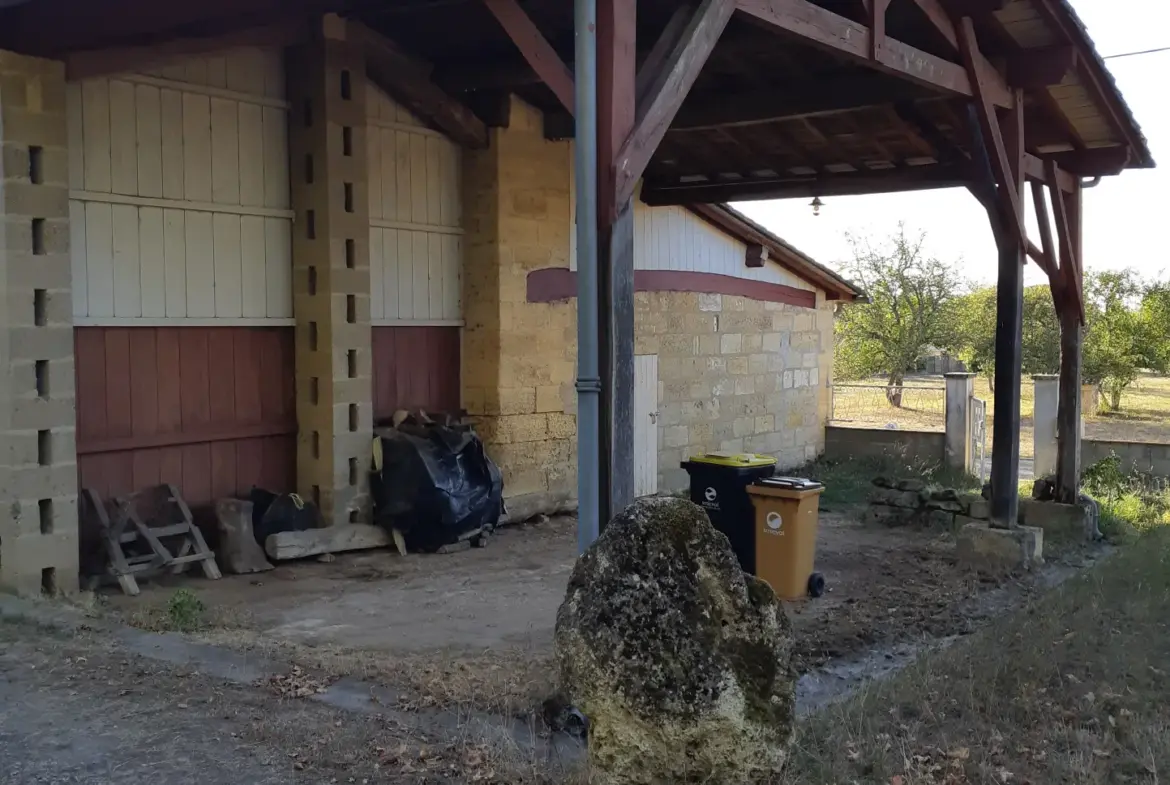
(330, 539)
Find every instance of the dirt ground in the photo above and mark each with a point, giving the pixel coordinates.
(475, 628)
(77, 707)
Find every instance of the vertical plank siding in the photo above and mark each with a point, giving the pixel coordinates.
(674, 238)
(416, 218)
(180, 192)
(415, 367)
(210, 409)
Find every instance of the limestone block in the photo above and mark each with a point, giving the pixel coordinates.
(894, 498)
(1062, 521)
(712, 703)
(979, 546)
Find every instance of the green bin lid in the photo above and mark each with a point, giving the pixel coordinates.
(740, 460)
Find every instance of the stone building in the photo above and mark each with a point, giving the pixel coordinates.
(223, 268)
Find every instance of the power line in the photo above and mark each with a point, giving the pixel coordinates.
(1134, 54)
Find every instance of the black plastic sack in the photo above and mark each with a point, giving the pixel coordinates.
(435, 485)
(286, 512)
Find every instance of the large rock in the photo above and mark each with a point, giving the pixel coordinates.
(680, 661)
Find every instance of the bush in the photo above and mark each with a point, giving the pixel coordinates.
(1130, 502)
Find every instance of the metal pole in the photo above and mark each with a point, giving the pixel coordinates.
(588, 374)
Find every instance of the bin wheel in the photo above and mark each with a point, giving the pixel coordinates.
(816, 585)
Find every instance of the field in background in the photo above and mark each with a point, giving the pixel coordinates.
(1144, 415)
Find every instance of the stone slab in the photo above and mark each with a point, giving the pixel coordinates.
(1063, 521)
(979, 546)
(906, 499)
(329, 539)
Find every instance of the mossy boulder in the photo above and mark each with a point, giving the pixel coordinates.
(680, 660)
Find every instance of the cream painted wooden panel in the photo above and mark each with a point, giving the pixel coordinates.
(180, 192)
(674, 238)
(416, 218)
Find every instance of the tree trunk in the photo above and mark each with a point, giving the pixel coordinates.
(894, 390)
(1115, 399)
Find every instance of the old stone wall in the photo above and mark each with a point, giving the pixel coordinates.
(852, 443)
(735, 374)
(519, 358)
(1146, 457)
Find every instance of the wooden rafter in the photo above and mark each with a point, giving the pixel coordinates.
(408, 81)
(667, 88)
(536, 49)
(910, 178)
(1070, 264)
(666, 42)
(992, 135)
(1040, 68)
(876, 9)
(937, 15)
(1047, 249)
(850, 39)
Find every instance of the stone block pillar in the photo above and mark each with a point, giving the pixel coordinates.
(38, 453)
(519, 358)
(331, 272)
(1046, 389)
(960, 391)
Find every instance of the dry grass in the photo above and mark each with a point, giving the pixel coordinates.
(1144, 415)
(1073, 689)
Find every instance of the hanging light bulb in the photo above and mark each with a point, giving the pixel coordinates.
(816, 204)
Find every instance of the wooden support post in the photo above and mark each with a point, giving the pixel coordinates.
(1009, 306)
(1068, 416)
(616, 91)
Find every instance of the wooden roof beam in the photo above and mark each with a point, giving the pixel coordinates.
(911, 178)
(536, 49)
(997, 150)
(407, 80)
(1039, 68)
(1047, 250)
(666, 88)
(849, 39)
(1070, 264)
(774, 104)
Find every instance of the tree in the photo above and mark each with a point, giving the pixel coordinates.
(1156, 321)
(973, 338)
(1117, 342)
(907, 311)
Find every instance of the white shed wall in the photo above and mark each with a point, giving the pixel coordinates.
(179, 193)
(416, 219)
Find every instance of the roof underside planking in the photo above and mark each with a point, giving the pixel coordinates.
(771, 115)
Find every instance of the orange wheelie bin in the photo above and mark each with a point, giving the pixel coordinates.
(786, 535)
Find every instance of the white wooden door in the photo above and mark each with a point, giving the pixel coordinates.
(645, 425)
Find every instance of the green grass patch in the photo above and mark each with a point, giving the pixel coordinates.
(1074, 688)
(849, 482)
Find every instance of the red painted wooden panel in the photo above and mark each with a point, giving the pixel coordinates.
(415, 367)
(210, 409)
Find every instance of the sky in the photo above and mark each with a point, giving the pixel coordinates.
(1127, 217)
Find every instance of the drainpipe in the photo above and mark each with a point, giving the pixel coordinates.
(588, 373)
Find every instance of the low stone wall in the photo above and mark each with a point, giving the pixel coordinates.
(1143, 456)
(912, 503)
(911, 446)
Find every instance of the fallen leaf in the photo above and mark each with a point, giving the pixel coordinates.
(962, 753)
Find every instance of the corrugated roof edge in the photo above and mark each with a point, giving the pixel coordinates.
(1117, 99)
(738, 225)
